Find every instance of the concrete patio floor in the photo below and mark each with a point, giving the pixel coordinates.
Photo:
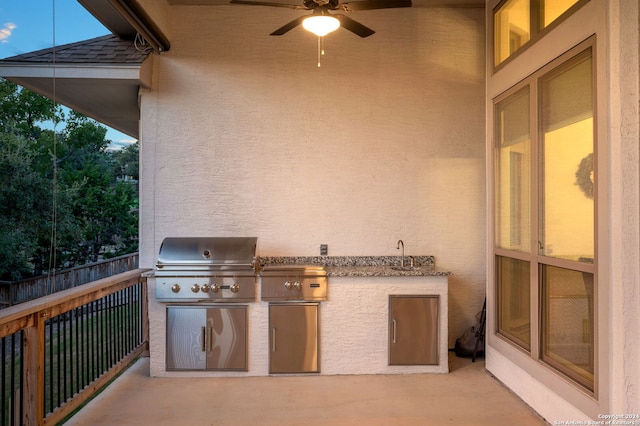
(469, 395)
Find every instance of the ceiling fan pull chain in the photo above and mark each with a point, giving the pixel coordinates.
(320, 49)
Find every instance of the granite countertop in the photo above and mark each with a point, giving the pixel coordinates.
(361, 266)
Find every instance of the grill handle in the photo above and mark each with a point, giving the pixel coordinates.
(394, 330)
(273, 339)
(204, 339)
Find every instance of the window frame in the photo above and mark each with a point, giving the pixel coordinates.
(537, 260)
(535, 32)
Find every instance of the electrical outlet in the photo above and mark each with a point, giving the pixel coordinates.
(323, 249)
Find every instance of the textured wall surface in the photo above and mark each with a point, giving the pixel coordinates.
(242, 135)
(625, 101)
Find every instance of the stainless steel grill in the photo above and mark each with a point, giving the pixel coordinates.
(213, 269)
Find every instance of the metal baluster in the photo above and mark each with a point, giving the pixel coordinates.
(3, 381)
(109, 320)
(51, 355)
(20, 395)
(93, 353)
(118, 327)
(101, 340)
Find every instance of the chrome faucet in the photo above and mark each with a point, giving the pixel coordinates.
(400, 242)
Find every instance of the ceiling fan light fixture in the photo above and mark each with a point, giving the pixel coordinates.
(321, 25)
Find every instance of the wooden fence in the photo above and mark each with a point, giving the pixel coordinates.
(13, 292)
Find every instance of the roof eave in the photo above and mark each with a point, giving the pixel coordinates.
(126, 18)
(107, 93)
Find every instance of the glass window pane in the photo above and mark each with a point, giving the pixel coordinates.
(567, 206)
(513, 171)
(511, 28)
(552, 9)
(567, 322)
(514, 311)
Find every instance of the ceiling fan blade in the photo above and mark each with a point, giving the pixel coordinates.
(268, 3)
(373, 4)
(288, 27)
(353, 26)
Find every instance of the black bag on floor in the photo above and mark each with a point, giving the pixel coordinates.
(471, 343)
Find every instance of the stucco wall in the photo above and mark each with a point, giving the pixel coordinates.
(242, 135)
(625, 255)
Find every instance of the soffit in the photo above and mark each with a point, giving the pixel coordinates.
(99, 77)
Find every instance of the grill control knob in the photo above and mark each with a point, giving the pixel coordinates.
(287, 285)
(215, 288)
(205, 288)
(195, 288)
(175, 288)
(234, 287)
(297, 285)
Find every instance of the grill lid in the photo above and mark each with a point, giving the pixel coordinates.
(207, 252)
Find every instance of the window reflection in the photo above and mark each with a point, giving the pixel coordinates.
(511, 28)
(514, 314)
(567, 207)
(553, 9)
(568, 341)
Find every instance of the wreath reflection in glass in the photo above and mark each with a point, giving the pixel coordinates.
(584, 176)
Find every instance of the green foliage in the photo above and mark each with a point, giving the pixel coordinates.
(63, 197)
(22, 192)
(127, 159)
(24, 109)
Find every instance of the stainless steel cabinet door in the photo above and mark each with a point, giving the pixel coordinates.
(185, 338)
(211, 338)
(226, 338)
(293, 338)
(413, 330)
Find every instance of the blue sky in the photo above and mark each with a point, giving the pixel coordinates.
(29, 25)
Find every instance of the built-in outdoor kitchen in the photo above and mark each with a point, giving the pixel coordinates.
(220, 309)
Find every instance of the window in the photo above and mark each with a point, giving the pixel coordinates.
(513, 172)
(511, 28)
(544, 218)
(516, 22)
(550, 10)
(567, 318)
(514, 300)
(566, 209)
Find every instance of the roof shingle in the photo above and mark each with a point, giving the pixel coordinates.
(107, 49)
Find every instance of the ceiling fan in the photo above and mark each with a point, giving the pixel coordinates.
(321, 22)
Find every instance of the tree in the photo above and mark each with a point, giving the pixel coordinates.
(104, 206)
(62, 199)
(127, 161)
(23, 192)
(23, 110)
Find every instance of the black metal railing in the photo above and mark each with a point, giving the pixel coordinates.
(59, 350)
(11, 405)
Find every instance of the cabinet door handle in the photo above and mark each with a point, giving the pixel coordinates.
(204, 339)
(210, 339)
(393, 322)
(273, 339)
